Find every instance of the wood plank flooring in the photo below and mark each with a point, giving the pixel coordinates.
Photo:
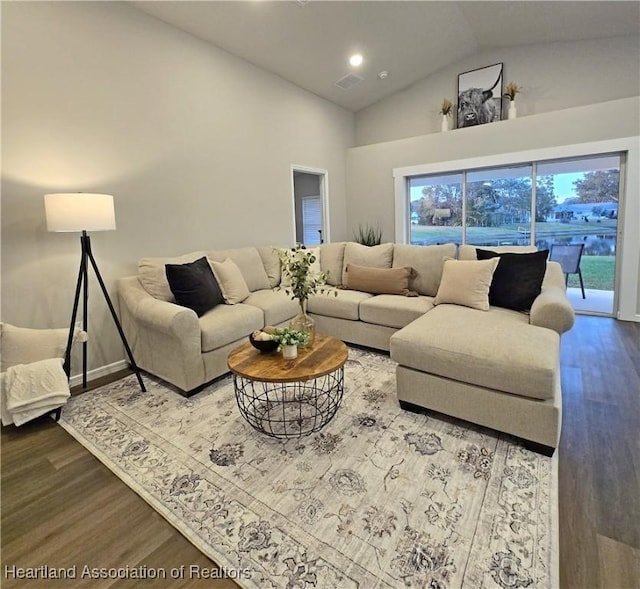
(61, 507)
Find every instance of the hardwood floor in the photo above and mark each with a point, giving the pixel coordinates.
(599, 466)
(61, 507)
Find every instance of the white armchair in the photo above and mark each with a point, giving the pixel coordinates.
(32, 378)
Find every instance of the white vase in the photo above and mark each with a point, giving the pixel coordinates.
(444, 125)
(290, 352)
(512, 110)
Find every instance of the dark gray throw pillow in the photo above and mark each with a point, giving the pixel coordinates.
(517, 280)
(194, 285)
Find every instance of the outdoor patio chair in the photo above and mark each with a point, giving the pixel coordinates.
(568, 256)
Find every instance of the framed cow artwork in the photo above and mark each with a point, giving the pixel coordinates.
(480, 96)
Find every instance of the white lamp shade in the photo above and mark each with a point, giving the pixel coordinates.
(79, 211)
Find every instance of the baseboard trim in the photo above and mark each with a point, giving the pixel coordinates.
(76, 379)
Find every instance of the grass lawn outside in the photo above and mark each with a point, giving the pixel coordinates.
(598, 273)
(511, 233)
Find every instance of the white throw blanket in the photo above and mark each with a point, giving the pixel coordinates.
(31, 390)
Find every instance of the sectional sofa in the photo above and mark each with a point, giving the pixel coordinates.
(497, 367)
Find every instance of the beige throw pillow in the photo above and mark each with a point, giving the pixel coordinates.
(232, 284)
(23, 345)
(377, 256)
(380, 280)
(466, 283)
(427, 260)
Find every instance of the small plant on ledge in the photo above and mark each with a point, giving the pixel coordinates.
(511, 90)
(446, 108)
(368, 235)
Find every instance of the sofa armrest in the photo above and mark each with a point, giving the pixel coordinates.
(165, 338)
(552, 308)
(159, 315)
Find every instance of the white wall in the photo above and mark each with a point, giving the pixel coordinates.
(195, 145)
(370, 168)
(553, 76)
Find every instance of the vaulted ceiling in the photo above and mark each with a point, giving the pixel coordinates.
(308, 42)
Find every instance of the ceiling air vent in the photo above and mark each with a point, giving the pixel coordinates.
(348, 81)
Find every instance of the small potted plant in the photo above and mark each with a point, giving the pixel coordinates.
(446, 109)
(510, 92)
(288, 341)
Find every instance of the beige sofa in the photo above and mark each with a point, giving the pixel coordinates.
(517, 393)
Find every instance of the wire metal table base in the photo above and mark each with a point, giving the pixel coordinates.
(289, 409)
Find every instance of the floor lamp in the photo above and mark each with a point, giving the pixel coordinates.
(85, 212)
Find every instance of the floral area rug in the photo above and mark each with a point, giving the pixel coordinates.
(380, 498)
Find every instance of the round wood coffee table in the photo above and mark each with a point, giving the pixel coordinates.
(289, 398)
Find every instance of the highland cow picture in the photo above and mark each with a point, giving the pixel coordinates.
(480, 96)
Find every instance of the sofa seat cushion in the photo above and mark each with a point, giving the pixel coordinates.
(226, 324)
(276, 305)
(497, 349)
(394, 310)
(346, 305)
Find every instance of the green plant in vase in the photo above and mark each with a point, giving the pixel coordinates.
(301, 283)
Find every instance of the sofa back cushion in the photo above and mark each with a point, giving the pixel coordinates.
(331, 260)
(427, 261)
(250, 264)
(271, 262)
(377, 256)
(153, 277)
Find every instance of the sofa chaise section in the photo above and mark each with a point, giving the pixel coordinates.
(491, 368)
(497, 368)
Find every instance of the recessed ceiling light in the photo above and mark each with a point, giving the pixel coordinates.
(356, 59)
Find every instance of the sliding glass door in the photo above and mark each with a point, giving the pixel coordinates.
(584, 223)
(553, 203)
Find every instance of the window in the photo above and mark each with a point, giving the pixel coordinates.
(498, 206)
(435, 209)
(311, 220)
(562, 201)
(579, 198)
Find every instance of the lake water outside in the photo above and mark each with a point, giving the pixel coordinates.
(598, 258)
